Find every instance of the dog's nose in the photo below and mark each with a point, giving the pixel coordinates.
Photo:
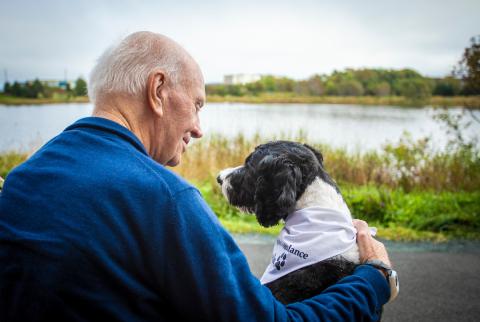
(219, 180)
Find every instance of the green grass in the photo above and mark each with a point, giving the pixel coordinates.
(398, 215)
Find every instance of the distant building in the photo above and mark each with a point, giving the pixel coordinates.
(236, 79)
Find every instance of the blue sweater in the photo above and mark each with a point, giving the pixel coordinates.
(91, 228)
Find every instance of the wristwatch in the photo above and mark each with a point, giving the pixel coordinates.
(390, 274)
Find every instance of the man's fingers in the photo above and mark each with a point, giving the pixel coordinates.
(369, 247)
(360, 225)
(365, 246)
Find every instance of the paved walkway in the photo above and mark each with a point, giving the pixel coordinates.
(437, 283)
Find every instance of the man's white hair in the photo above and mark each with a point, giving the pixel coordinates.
(125, 67)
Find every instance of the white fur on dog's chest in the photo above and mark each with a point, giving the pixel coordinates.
(319, 193)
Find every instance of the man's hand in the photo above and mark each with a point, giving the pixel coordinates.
(368, 247)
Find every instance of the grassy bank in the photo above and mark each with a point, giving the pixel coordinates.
(406, 190)
(466, 101)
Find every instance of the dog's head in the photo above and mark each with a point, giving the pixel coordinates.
(272, 179)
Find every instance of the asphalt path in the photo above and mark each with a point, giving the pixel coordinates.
(437, 282)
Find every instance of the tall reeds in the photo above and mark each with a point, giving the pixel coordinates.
(407, 189)
(9, 160)
(407, 165)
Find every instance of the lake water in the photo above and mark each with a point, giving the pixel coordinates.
(362, 128)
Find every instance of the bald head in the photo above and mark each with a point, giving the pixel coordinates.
(153, 87)
(125, 67)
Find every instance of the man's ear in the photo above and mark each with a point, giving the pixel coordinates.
(155, 89)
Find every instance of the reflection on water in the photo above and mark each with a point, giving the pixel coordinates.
(27, 127)
(351, 126)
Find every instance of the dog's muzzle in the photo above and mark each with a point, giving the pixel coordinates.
(225, 173)
(223, 179)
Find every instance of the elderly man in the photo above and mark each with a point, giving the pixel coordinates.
(94, 227)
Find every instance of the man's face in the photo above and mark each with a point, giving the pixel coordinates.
(182, 122)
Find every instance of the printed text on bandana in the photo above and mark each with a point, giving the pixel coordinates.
(292, 250)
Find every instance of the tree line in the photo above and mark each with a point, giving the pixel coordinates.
(464, 80)
(353, 82)
(349, 82)
(39, 89)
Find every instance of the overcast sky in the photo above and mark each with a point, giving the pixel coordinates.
(295, 38)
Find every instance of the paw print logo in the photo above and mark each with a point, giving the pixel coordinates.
(280, 261)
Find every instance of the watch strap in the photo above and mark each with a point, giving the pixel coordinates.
(378, 264)
(390, 274)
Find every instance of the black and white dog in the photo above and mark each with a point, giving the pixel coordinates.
(286, 181)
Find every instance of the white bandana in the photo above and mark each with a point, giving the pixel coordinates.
(310, 235)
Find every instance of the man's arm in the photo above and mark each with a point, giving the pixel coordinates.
(206, 277)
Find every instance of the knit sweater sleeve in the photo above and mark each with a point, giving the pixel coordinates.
(205, 276)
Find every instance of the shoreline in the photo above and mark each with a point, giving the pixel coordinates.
(14, 101)
(472, 102)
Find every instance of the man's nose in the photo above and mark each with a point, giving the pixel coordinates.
(197, 131)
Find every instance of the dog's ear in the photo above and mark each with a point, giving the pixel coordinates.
(276, 189)
(316, 152)
(323, 174)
